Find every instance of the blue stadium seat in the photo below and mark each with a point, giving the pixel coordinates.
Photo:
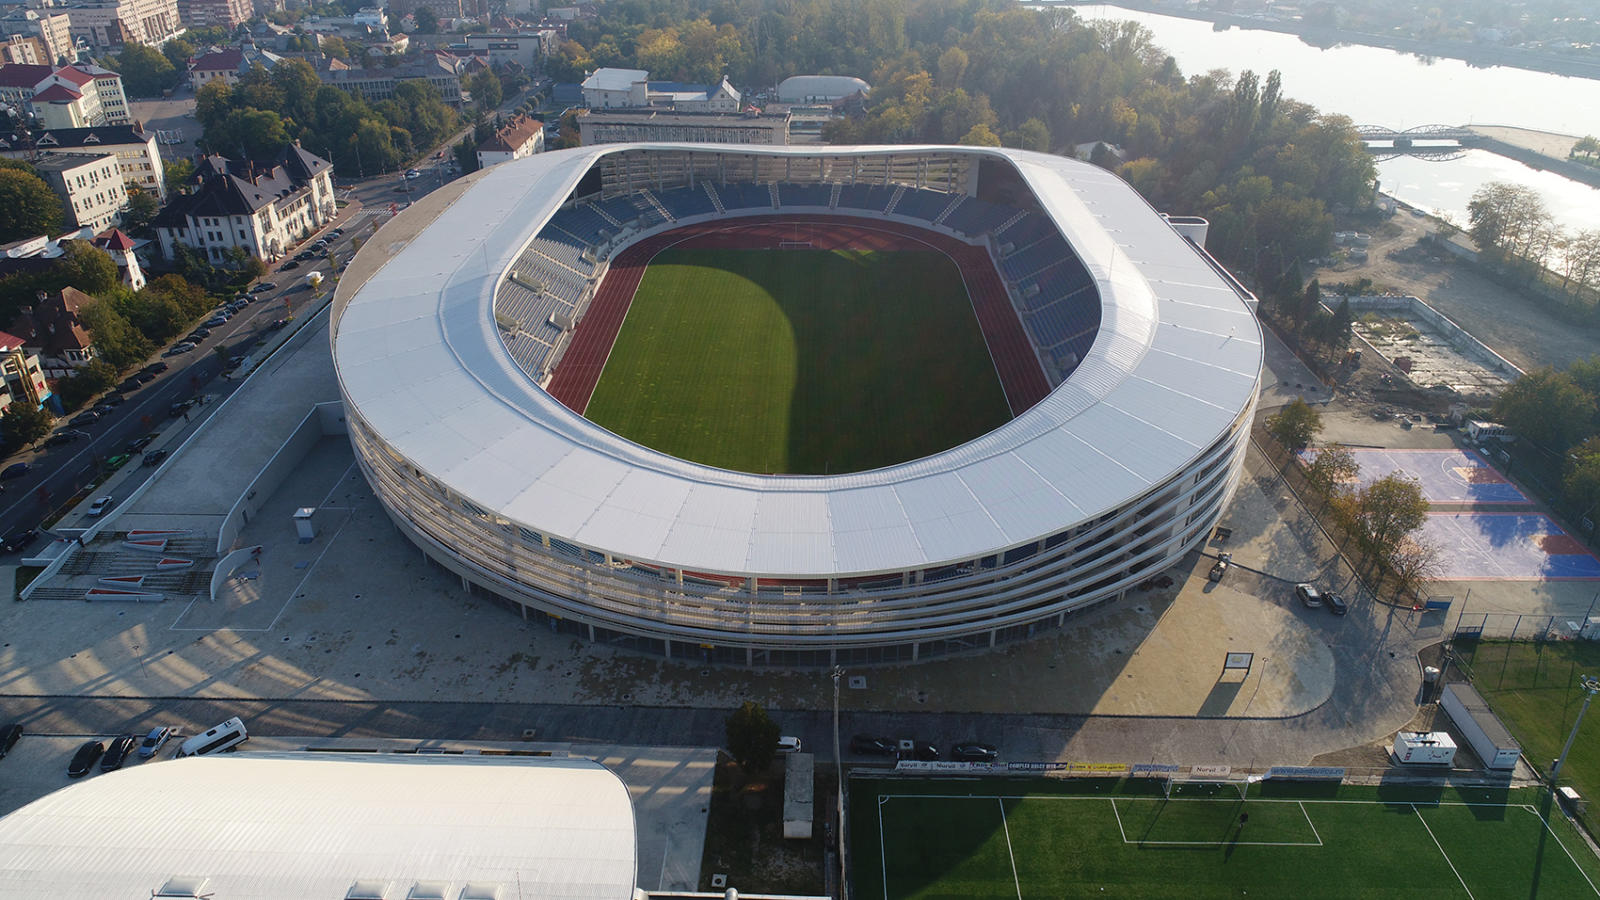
(922, 204)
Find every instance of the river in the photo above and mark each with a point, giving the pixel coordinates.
(1374, 86)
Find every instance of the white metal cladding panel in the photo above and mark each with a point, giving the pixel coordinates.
(1145, 448)
(949, 521)
(309, 825)
(565, 472)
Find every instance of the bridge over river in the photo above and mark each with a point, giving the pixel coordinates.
(1438, 142)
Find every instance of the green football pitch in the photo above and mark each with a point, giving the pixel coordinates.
(1106, 838)
(800, 361)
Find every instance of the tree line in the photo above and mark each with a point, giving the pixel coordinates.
(1265, 169)
(1558, 411)
(1515, 232)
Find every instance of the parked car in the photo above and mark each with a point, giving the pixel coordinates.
(413, 174)
(154, 457)
(303, 255)
(336, 232)
(65, 436)
(1336, 604)
(217, 320)
(144, 378)
(15, 470)
(84, 759)
(117, 753)
(102, 506)
(1220, 567)
(291, 265)
(179, 408)
(179, 349)
(278, 323)
(137, 444)
(1308, 594)
(872, 746)
(114, 463)
(154, 741)
(198, 335)
(19, 541)
(9, 735)
(129, 384)
(263, 287)
(788, 744)
(157, 368)
(88, 418)
(974, 752)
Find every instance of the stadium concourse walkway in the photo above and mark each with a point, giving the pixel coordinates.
(1020, 374)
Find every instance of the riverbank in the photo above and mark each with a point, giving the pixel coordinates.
(1538, 149)
(1317, 36)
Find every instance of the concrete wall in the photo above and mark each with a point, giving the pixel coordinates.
(323, 420)
(1464, 343)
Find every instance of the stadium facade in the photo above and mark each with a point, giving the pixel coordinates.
(1149, 351)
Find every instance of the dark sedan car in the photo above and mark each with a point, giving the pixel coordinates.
(19, 541)
(154, 457)
(290, 266)
(15, 470)
(263, 287)
(156, 368)
(974, 752)
(1336, 603)
(117, 753)
(9, 735)
(84, 759)
(872, 746)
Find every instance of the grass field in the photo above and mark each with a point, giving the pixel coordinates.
(997, 838)
(800, 361)
(1533, 687)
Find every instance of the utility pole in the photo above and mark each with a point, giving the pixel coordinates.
(1591, 686)
(838, 768)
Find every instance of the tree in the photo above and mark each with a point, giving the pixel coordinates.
(1030, 135)
(979, 135)
(466, 154)
(1547, 407)
(24, 423)
(28, 207)
(177, 171)
(87, 268)
(486, 90)
(1339, 326)
(1296, 425)
(142, 207)
(1580, 485)
(1387, 511)
(145, 71)
(427, 20)
(95, 378)
(752, 737)
(1415, 562)
(1332, 470)
(334, 46)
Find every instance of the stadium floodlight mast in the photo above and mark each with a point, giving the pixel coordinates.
(1591, 686)
(838, 768)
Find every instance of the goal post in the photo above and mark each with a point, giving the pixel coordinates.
(794, 245)
(1206, 786)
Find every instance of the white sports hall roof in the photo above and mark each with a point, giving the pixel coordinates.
(420, 360)
(316, 826)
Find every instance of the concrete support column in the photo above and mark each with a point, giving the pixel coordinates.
(916, 650)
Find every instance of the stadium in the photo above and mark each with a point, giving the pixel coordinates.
(797, 405)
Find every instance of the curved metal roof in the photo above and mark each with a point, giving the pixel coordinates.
(254, 826)
(797, 88)
(419, 358)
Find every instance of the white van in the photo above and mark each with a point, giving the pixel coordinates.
(229, 734)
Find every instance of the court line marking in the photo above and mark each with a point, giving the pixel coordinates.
(883, 853)
(1010, 853)
(1442, 853)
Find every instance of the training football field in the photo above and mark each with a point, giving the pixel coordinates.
(972, 838)
(800, 361)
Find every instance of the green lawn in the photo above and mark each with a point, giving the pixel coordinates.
(1533, 687)
(1106, 838)
(800, 361)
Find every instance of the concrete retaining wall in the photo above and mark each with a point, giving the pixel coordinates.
(323, 420)
(1463, 342)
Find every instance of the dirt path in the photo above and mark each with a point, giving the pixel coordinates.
(1519, 329)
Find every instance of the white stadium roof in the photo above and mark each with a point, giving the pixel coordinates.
(311, 826)
(420, 360)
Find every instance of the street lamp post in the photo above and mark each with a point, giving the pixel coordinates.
(1591, 686)
(838, 768)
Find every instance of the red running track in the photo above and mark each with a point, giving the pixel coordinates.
(579, 371)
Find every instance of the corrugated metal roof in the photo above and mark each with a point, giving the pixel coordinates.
(276, 825)
(1177, 359)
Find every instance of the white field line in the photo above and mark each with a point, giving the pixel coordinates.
(1442, 853)
(1559, 843)
(1217, 843)
(1313, 825)
(883, 855)
(1010, 853)
(1114, 812)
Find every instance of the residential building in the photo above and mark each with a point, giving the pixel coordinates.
(90, 186)
(121, 249)
(52, 28)
(25, 381)
(655, 125)
(25, 49)
(17, 83)
(80, 96)
(262, 206)
(51, 329)
(525, 48)
(441, 70)
(138, 154)
(371, 15)
(615, 88)
(522, 136)
(217, 65)
(228, 14)
(108, 24)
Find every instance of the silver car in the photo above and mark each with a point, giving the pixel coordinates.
(154, 741)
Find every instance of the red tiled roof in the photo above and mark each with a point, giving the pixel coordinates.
(113, 239)
(75, 75)
(221, 60)
(57, 93)
(22, 75)
(9, 341)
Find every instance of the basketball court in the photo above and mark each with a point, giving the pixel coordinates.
(1446, 476)
(1507, 546)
